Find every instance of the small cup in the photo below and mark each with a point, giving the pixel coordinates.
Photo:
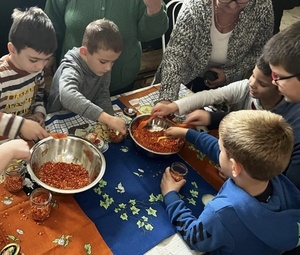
(14, 176)
(178, 171)
(41, 204)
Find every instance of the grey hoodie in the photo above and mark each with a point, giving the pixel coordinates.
(77, 89)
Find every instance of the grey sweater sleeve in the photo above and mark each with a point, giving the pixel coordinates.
(72, 98)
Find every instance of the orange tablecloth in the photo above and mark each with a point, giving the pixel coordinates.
(67, 231)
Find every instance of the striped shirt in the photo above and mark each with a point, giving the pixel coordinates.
(10, 125)
(21, 93)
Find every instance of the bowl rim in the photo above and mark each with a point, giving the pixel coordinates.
(148, 150)
(67, 191)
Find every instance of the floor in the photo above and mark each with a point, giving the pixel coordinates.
(151, 59)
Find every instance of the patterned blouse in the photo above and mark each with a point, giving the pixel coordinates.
(189, 48)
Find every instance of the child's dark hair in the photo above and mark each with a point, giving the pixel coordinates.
(102, 34)
(283, 49)
(32, 28)
(263, 66)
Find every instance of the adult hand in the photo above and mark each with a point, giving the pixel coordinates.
(32, 130)
(168, 184)
(218, 82)
(198, 118)
(163, 109)
(153, 6)
(176, 132)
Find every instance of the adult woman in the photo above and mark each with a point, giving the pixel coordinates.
(137, 20)
(220, 35)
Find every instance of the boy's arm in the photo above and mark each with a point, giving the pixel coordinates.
(197, 232)
(230, 94)
(72, 98)
(204, 142)
(10, 125)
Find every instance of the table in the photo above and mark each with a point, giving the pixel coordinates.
(205, 167)
(126, 206)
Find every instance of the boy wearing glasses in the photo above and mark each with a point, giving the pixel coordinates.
(282, 52)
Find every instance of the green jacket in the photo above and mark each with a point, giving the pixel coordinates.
(70, 17)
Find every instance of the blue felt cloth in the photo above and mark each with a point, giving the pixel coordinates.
(127, 207)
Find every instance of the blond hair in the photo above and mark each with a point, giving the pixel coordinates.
(261, 141)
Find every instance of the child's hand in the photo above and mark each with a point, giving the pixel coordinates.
(176, 132)
(168, 184)
(40, 118)
(31, 130)
(113, 122)
(118, 124)
(198, 118)
(163, 109)
(18, 149)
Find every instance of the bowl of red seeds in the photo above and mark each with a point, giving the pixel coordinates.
(66, 165)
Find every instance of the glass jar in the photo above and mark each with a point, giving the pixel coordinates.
(178, 171)
(40, 204)
(14, 176)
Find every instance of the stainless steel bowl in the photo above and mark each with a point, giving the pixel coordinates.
(155, 125)
(69, 150)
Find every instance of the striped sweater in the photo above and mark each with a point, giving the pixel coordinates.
(189, 48)
(21, 94)
(10, 125)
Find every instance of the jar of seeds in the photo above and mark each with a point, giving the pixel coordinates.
(14, 176)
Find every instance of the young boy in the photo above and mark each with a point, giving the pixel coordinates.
(282, 52)
(257, 210)
(32, 42)
(256, 93)
(81, 83)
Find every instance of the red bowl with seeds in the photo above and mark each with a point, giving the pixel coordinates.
(66, 165)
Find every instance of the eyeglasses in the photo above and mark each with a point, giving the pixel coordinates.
(276, 78)
(237, 1)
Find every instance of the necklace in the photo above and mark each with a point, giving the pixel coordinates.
(217, 21)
